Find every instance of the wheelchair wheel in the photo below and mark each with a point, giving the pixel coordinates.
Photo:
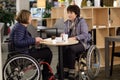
(21, 67)
(83, 76)
(82, 68)
(93, 61)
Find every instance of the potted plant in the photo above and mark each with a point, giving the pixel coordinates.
(7, 18)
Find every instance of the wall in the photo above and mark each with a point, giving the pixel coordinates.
(22, 4)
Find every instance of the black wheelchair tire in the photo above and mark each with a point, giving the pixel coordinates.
(26, 57)
(92, 74)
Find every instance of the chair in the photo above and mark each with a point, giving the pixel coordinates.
(20, 66)
(59, 24)
(114, 54)
(33, 31)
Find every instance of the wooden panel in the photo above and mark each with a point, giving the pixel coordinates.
(115, 16)
(112, 31)
(57, 12)
(100, 16)
(102, 57)
(41, 3)
(89, 23)
(100, 35)
(34, 22)
(50, 22)
(86, 12)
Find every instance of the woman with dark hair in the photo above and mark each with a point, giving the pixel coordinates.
(77, 29)
(22, 41)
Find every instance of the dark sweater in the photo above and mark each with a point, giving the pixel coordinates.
(21, 38)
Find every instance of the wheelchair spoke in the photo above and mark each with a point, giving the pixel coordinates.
(21, 67)
(93, 61)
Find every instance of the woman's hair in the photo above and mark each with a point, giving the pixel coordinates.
(75, 9)
(23, 16)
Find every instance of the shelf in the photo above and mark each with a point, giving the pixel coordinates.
(101, 27)
(100, 16)
(112, 31)
(86, 12)
(58, 12)
(115, 16)
(89, 22)
(100, 35)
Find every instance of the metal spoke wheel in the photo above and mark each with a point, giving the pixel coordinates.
(21, 67)
(93, 61)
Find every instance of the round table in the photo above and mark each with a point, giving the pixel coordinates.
(51, 42)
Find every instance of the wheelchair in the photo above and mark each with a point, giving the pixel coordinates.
(88, 62)
(20, 66)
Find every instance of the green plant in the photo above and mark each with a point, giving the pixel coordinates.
(47, 11)
(6, 17)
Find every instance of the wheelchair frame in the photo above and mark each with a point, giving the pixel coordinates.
(88, 64)
(82, 74)
(18, 65)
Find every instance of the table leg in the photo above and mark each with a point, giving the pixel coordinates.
(107, 72)
(61, 62)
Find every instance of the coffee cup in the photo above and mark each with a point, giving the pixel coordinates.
(65, 37)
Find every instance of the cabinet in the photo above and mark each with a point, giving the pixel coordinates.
(97, 18)
(105, 21)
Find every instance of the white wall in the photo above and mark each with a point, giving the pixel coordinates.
(22, 4)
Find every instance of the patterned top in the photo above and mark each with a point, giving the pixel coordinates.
(79, 29)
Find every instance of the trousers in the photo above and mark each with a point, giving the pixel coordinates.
(70, 53)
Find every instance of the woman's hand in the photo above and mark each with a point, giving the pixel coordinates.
(38, 40)
(61, 35)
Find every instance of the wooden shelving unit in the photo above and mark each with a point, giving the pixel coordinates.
(105, 21)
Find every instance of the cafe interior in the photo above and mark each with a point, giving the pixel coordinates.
(100, 62)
